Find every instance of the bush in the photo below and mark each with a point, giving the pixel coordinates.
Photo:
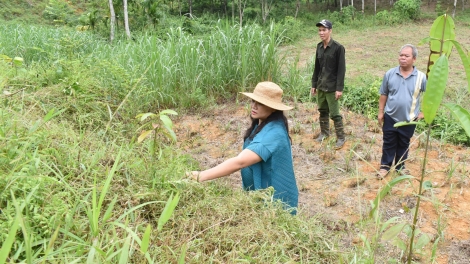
(447, 129)
(388, 18)
(363, 100)
(409, 9)
(345, 16)
(293, 29)
(59, 11)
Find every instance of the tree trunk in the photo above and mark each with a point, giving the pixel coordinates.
(190, 2)
(179, 6)
(297, 7)
(455, 6)
(340, 5)
(233, 11)
(126, 19)
(112, 20)
(241, 8)
(375, 7)
(363, 7)
(266, 6)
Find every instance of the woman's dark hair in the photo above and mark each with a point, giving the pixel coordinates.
(276, 115)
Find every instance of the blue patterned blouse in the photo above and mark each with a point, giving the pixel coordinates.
(276, 169)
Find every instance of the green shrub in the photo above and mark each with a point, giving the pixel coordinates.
(291, 28)
(59, 11)
(363, 99)
(439, 9)
(388, 18)
(447, 129)
(409, 9)
(345, 16)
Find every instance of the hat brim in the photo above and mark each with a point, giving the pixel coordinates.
(323, 25)
(267, 102)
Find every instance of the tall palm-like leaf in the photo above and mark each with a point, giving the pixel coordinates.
(442, 29)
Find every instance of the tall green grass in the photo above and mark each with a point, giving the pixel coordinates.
(179, 70)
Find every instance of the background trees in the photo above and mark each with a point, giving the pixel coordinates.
(157, 14)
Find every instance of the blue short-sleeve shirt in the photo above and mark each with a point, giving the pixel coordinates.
(403, 101)
(276, 169)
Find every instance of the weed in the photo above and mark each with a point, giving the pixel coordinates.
(451, 169)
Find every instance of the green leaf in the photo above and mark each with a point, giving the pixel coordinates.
(145, 116)
(399, 244)
(389, 221)
(51, 114)
(18, 61)
(168, 112)
(385, 190)
(393, 231)
(171, 134)
(52, 240)
(465, 60)
(144, 245)
(91, 253)
(423, 240)
(124, 258)
(6, 245)
(181, 259)
(108, 212)
(442, 29)
(460, 114)
(144, 135)
(168, 124)
(5, 58)
(424, 41)
(405, 123)
(166, 121)
(168, 211)
(435, 88)
(427, 185)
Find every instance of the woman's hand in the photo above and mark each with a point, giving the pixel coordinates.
(194, 175)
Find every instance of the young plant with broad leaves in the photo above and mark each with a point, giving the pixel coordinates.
(16, 62)
(441, 41)
(162, 126)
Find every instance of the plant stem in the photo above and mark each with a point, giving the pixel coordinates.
(415, 218)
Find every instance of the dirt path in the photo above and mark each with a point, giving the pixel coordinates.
(337, 186)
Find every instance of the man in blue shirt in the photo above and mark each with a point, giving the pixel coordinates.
(400, 96)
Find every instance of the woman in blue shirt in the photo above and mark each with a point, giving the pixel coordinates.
(266, 159)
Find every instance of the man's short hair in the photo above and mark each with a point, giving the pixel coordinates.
(414, 50)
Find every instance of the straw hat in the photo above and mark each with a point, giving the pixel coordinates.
(269, 94)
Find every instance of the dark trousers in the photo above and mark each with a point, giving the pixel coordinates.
(396, 144)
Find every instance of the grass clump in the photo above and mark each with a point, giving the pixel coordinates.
(363, 99)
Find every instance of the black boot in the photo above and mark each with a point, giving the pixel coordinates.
(324, 129)
(340, 137)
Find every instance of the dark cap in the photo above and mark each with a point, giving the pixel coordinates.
(325, 23)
